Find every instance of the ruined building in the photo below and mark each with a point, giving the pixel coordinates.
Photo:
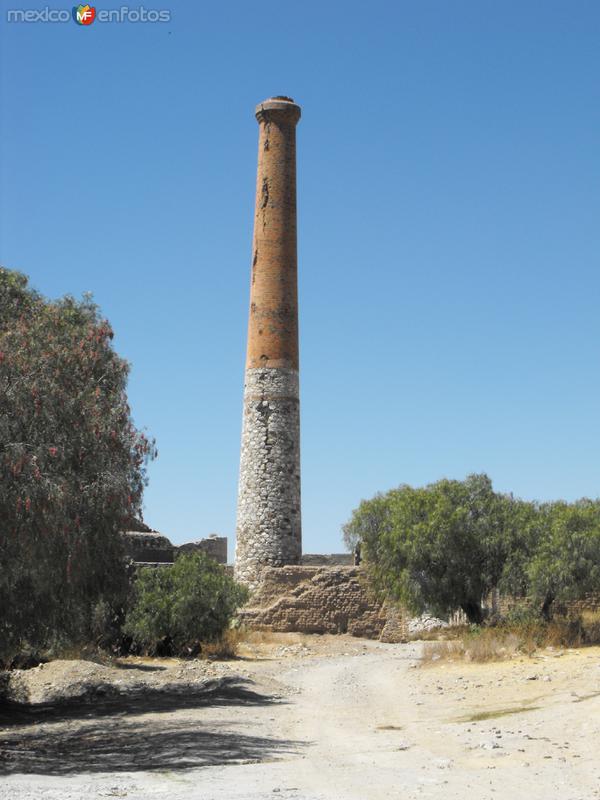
(145, 547)
(268, 514)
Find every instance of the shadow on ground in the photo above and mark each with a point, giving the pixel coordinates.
(84, 743)
(139, 667)
(110, 701)
(118, 747)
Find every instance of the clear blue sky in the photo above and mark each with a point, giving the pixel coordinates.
(448, 234)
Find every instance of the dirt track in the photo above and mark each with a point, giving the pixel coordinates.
(324, 718)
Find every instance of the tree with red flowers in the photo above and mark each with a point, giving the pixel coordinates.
(72, 467)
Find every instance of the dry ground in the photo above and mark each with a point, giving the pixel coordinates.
(315, 718)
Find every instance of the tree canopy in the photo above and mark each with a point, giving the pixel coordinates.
(447, 545)
(566, 563)
(72, 465)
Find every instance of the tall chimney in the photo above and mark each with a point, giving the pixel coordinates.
(268, 514)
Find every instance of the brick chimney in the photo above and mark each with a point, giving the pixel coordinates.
(268, 515)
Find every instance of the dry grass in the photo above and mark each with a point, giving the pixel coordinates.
(442, 651)
(440, 634)
(501, 642)
(488, 644)
(225, 647)
(79, 652)
(243, 642)
(591, 626)
(266, 637)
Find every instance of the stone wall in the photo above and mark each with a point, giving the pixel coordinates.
(148, 547)
(329, 560)
(590, 603)
(507, 603)
(321, 600)
(214, 546)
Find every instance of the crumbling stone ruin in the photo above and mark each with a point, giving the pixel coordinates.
(146, 547)
(214, 546)
(327, 559)
(321, 600)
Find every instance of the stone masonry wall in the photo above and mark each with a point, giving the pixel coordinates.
(148, 547)
(336, 599)
(590, 603)
(327, 560)
(573, 608)
(214, 546)
(321, 600)
(268, 517)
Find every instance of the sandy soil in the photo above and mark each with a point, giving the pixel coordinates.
(319, 718)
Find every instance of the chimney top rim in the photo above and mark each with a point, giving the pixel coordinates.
(284, 106)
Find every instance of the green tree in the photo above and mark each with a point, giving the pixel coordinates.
(367, 521)
(441, 547)
(72, 466)
(190, 602)
(525, 529)
(566, 563)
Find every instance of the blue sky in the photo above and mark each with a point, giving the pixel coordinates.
(448, 177)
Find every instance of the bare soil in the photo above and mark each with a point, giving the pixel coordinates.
(309, 718)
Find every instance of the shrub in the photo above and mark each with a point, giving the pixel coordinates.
(192, 601)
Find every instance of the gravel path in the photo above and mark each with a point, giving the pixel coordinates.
(328, 718)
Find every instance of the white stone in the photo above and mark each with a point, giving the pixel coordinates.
(269, 519)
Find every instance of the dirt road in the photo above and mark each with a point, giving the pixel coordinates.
(330, 718)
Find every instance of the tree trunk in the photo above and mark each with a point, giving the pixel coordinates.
(473, 611)
(546, 610)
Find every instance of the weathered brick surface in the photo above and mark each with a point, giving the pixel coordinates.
(336, 599)
(273, 320)
(396, 627)
(320, 600)
(268, 526)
